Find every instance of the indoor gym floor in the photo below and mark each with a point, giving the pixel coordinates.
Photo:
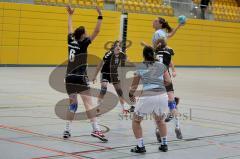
(29, 128)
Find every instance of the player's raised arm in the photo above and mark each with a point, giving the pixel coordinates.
(98, 25)
(70, 11)
(143, 43)
(173, 32)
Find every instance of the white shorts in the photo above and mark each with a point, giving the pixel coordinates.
(157, 104)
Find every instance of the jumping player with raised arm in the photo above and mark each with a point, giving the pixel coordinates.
(76, 76)
(164, 31)
(164, 55)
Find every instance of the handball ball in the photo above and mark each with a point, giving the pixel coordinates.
(182, 19)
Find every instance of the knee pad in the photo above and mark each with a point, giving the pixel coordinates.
(103, 90)
(119, 92)
(73, 107)
(172, 105)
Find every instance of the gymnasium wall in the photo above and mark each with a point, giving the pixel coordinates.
(198, 43)
(34, 34)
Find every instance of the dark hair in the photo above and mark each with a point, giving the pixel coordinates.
(114, 45)
(162, 45)
(79, 32)
(165, 24)
(148, 54)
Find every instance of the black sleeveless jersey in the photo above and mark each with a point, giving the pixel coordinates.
(111, 62)
(164, 55)
(77, 55)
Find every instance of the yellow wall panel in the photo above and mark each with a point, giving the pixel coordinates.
(41, 33)
(11, 12)
(10, 42)
(53, 22)
(1, 23)
(11, 20)
(9, 55)
(47, 36)
(45, 43)
(9, 35)
(34, 28)
(35, 55)
(209, 41)
(40, 8)
(1, 11)
(1, 19)
(10, 27)
(42, 15)
(12, 6)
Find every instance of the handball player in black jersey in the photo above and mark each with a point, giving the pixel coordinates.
(164, 55)
(109, 73)
(76, 76)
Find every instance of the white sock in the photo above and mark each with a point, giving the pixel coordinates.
(95, 126)
(68, 126)
(177, 123)
(140, 142)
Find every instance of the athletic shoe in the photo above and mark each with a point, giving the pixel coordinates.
(138, 149)
(73, 108)
(169, 117)
(125, 112)
(163, 148)
(66, 134)
(131, 109)
(157, 133)
(178, 133)
(99, 135)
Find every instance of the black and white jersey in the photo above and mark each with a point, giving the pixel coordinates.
(111, 62)
(77, 55)
(164, 55)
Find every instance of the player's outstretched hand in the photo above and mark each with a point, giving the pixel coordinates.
(70, 10)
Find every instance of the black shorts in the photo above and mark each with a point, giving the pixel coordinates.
(76, 83)
(111, 78)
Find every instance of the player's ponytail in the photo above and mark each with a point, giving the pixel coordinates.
(165, 24)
